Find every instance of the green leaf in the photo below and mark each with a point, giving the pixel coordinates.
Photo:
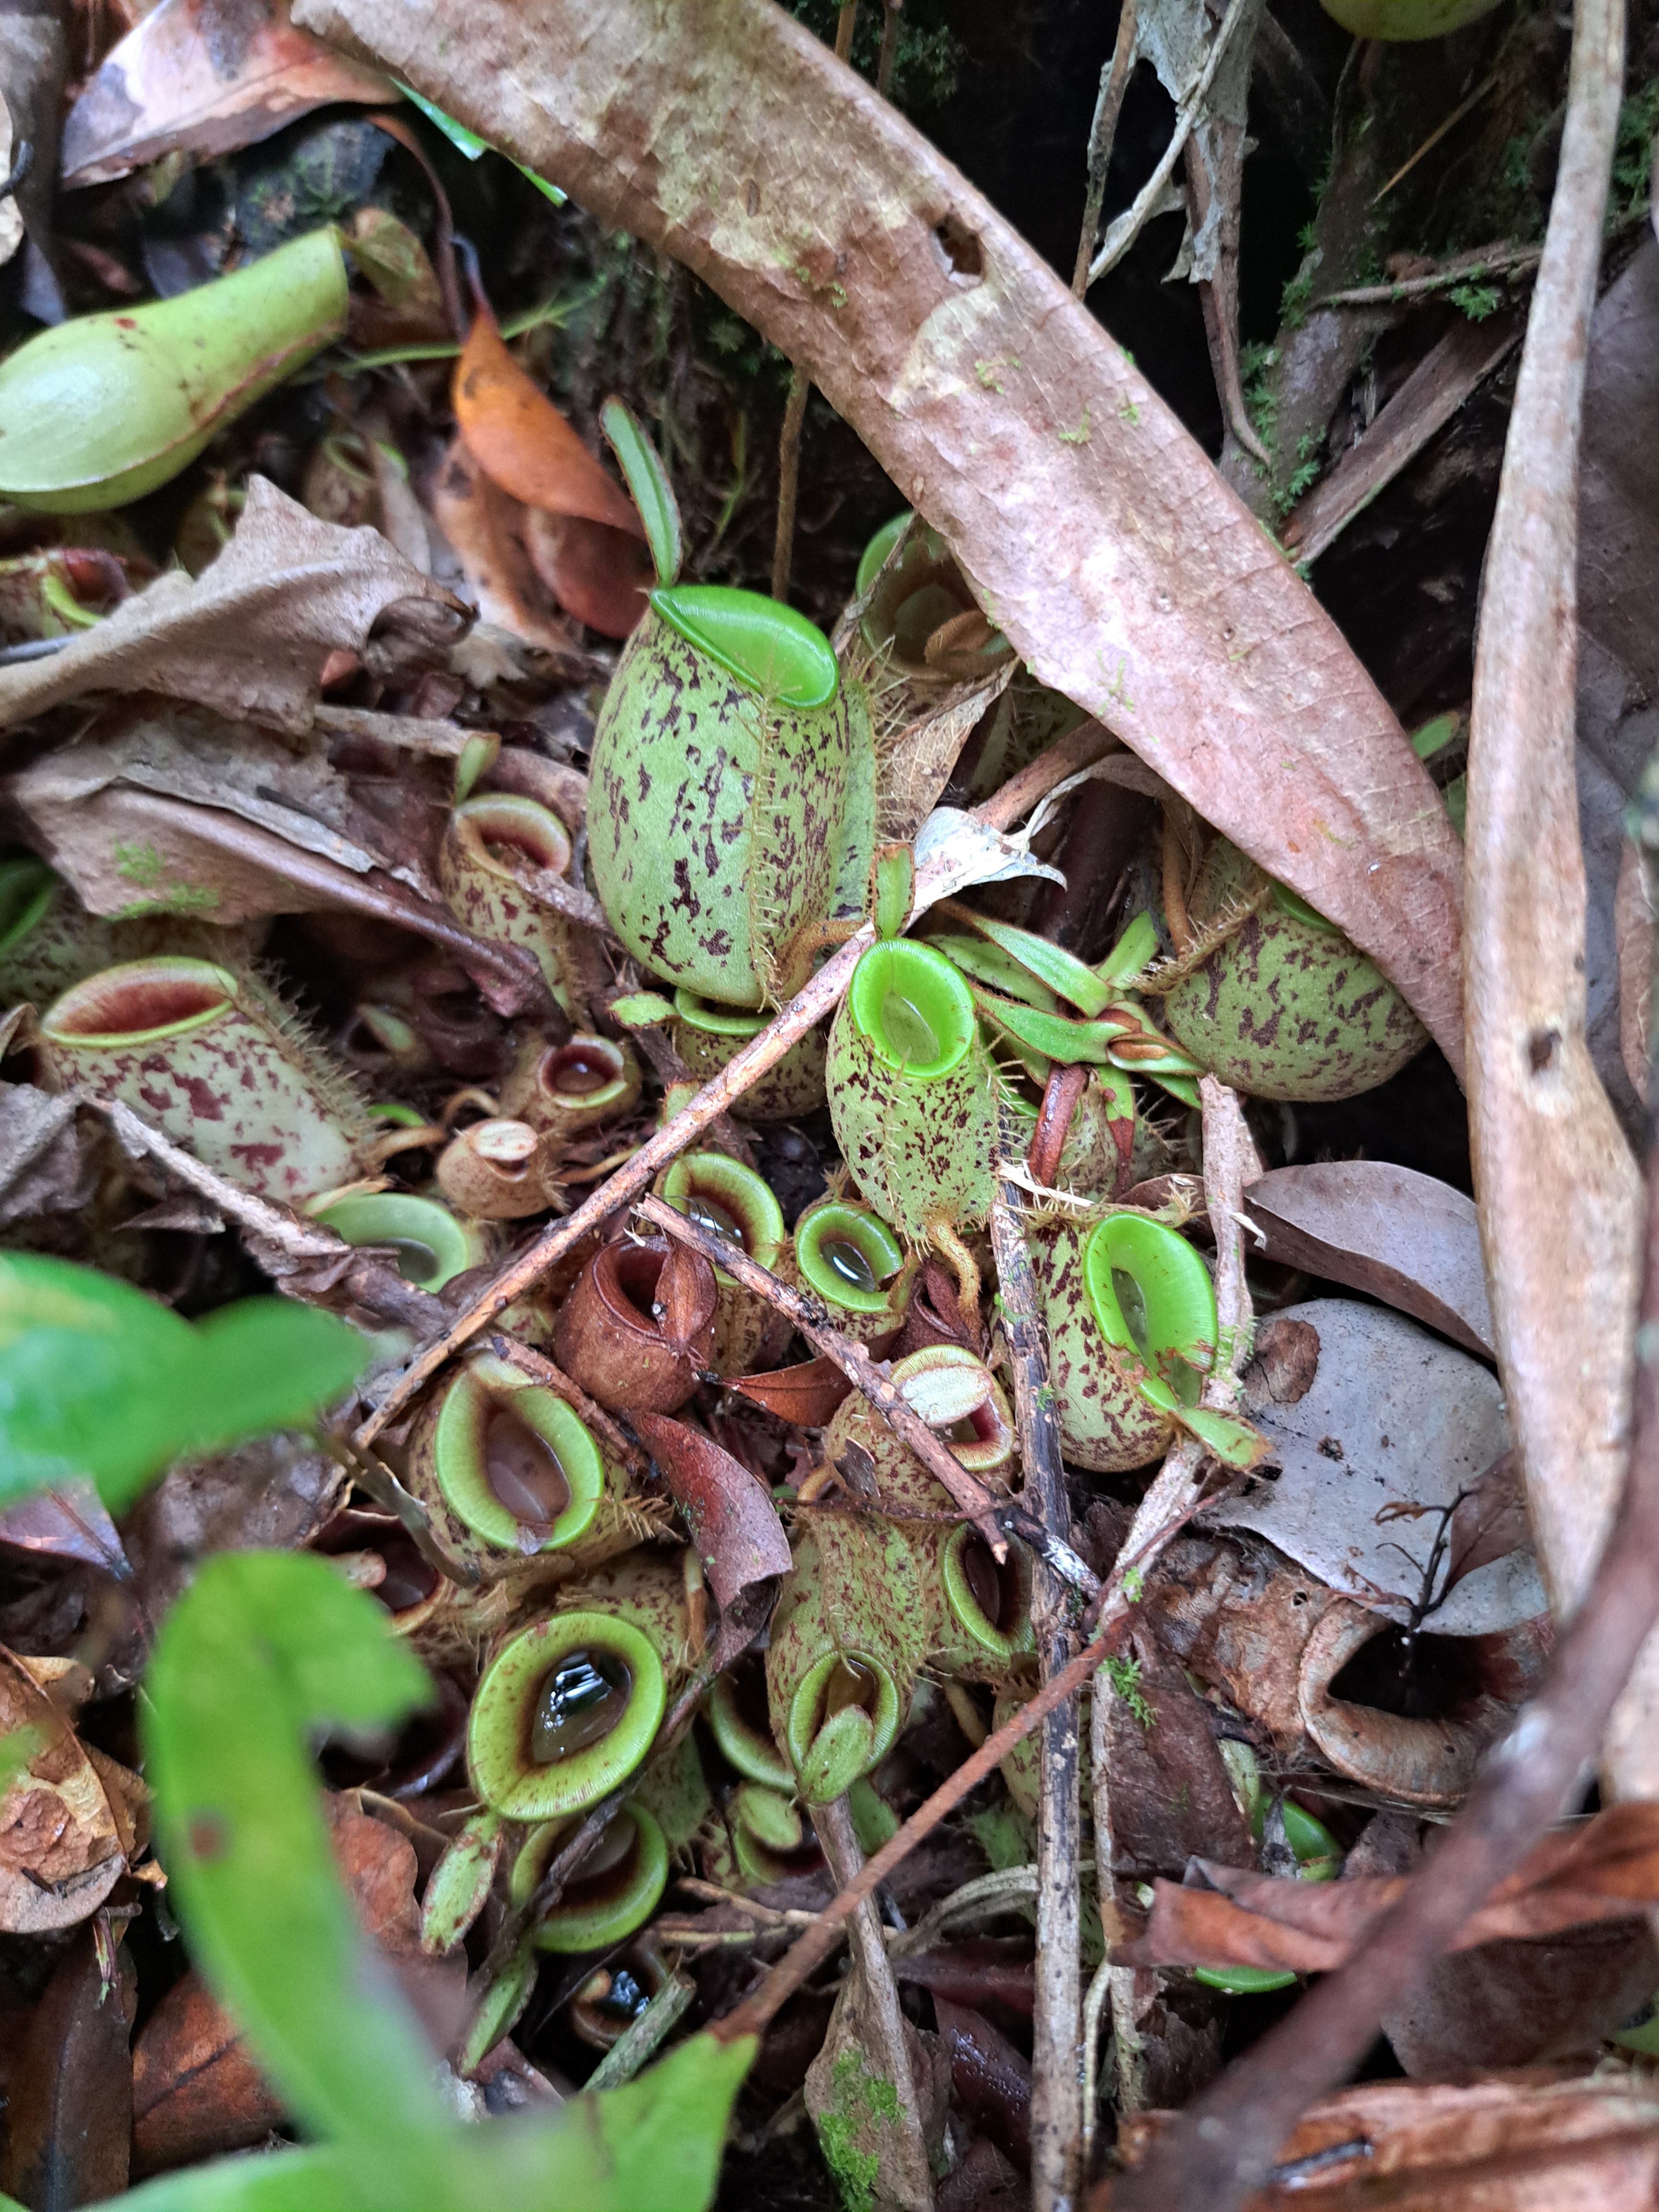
(469, 143)
(266, 1364)
(986, 963)
(1133, 954)
(648, 479)
(1051, 963)
(264, 1649)
(1072, 1043)
(1235, 1443)
(96, 1379)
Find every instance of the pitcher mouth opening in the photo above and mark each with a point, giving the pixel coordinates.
(139, 999)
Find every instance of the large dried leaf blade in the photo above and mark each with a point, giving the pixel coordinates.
(203, 77)
(1388, 1230)
(1378, 1427)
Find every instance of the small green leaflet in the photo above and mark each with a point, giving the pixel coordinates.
(469, 143)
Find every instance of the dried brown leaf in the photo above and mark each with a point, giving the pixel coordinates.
(250, 636)
(1490, 1521)
(1604, 1868)
(599, 574)
(1387, 1430)
(70, 1522)
(60, 1849)
(686, 1297)
(46, 1165)
(1522, 2142)
(203, 77)
(489, 531)
(807, 1395)
(731, 1518)
(1099, 537)
(1388, 1230)
(197, 2091)
(69, 2111)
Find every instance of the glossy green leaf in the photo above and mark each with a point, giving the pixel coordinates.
(1072, 1043)
(1051, 963)
(1133, 954)
(987, 963)
(1235, 1443)
(1183, 1087)
(1434, 737)
(97, 1379)
(469, 143)
(648, 479)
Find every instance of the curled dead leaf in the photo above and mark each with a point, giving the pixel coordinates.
(1599, 1870)
(807, 1395)
(732, 1520)
(251, 634)
(62, 1846)
(1388, 1230)
(1522, 2143)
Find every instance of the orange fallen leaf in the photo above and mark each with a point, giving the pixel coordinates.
(522, 442)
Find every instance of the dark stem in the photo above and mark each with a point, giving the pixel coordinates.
(794, 415)
(1114, 83)
(1056, 2103)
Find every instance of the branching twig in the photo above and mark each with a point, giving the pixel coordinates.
(1057, 2117)
(1133, 220)
(1467, 269)
(810, 1317)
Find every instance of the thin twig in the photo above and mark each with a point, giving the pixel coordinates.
(1435, 137)
(1056, 2115)
(847, 23)
(805, 1956)
(1102, 134)
(879, 2018)
(1467, 269)
(811, 1319)
(795, 417)
(1223, 2144)
(1129, 225)
(820, 996)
